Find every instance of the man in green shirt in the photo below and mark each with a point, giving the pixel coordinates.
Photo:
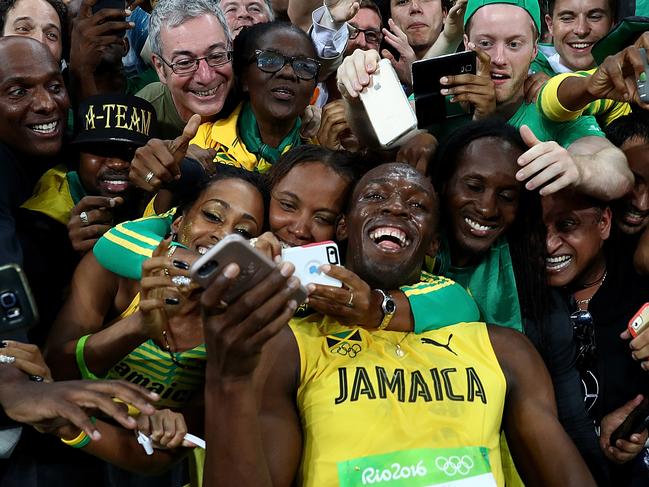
(574, 154)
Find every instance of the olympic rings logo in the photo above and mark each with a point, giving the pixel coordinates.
(454, 465)
(345, 349)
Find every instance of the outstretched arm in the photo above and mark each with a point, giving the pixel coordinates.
(542, 451)
(252, 359)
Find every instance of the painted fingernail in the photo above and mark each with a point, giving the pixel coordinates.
(231, 271)
(180, 264)
(172, 301)
(36, 378)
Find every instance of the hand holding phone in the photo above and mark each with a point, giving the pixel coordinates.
(430, 103)
(387, 107)
(643, 82)
(253, 267)
(635, 422)
(640, 321)
(308, 259)
(17, 305)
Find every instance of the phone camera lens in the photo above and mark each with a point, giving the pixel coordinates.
(8, 299)
(208, 268)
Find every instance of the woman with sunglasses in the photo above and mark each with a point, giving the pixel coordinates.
(604, 292)
(276, 72)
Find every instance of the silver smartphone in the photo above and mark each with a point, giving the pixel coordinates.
(388, 109)
(254, 267)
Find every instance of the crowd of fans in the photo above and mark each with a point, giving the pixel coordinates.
(491, 263)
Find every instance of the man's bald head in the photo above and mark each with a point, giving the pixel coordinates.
(33, 98)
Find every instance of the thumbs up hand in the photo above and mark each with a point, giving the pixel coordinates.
(546, 165)
(159, 160)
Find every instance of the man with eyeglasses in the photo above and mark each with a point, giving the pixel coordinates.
(365, 28)
(191, 46)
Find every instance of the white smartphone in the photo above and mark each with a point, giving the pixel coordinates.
(388, 109)
(253, 265)
(307, 260)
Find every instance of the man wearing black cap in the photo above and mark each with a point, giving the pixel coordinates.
(70, 210)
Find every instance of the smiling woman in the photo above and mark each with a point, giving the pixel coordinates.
(275, 69)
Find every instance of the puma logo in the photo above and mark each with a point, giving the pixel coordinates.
(430, 341)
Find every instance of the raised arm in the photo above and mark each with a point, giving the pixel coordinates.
(252, 440)
(542, 451)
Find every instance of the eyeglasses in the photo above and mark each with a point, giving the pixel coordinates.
(173, 356)
(190, 65)
(271, 62)
(371, 36)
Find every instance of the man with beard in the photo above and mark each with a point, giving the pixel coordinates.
(70, 210)
(318, 403)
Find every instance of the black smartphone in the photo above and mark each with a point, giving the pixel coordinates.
(430, 104)
(102, 4)
(635, 422)
(17, 305)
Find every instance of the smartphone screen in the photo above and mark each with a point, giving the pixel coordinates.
(430, 104)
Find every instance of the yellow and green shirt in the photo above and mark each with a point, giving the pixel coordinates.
(389, 395)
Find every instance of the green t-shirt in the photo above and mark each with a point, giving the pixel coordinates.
(170, 125)
(564, 133)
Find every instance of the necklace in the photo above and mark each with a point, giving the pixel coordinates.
(398, 351)
(598, 283)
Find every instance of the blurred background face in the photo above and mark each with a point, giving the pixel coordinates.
(368, 21)
(421, 20)
(240, 13)
(575, 26)
(576, 232)
(36, 19)
(632, 211)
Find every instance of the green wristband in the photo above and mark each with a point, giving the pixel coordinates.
(81, 361)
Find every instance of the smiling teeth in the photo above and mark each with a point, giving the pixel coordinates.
(558, 263)
(205, 93)
(45, 128)
(390, 232)
(202, 250)
(498, 76)
(582, 45)
(476, 226)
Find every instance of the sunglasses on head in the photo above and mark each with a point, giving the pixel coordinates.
(271, 62)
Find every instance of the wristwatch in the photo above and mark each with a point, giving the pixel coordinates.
(389, 308)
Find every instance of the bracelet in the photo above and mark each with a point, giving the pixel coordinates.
(81, 361)
(81, 440)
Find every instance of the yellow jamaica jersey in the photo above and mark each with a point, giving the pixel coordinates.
(391, 395)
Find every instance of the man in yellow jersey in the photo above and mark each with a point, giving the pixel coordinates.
(317, 403)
